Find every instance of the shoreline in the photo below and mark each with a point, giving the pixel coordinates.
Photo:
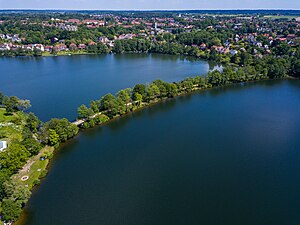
(47, 55)
(50, 161)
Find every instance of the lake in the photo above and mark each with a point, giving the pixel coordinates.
(226, 156)
(56, 86)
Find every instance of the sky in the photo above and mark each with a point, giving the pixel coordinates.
(149, 4)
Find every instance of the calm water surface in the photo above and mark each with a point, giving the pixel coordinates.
(56, 86)
(227, 156)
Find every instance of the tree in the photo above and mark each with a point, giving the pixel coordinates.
(152, 92)
(102, 48)
(23, 104)
(124, 96)
(109, 104)
(216, 41)
(8, 105)
(14, 157)
(33, 122)
(245, 58)
(141, 89)
(1, 98)
(215, 78)
(213, 54)
(37, 52)
(16, 191)
(137, 97)
(11, 209)
(95, 106)
(187, 85)
(296, 67)
(62, 127)
(171, 89)
(92, 48)
(4, 176)
(282, 49)
(53, 138)
(118, 47)
(14, 102)
(162, 87)
(99, 119)
(84, 112)
(32, 146)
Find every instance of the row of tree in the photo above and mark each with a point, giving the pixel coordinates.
(127, 100)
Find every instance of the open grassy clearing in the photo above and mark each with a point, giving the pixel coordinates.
(11, 126)
(34, 169)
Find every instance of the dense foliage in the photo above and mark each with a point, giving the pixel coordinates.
(26, 135)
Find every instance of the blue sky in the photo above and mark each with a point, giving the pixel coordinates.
(149, 4)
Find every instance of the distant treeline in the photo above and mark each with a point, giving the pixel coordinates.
(158, 12)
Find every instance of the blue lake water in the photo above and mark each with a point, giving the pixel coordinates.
(56, 86)
(226, 156)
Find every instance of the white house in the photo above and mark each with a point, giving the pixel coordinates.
(233, 52)
(4, 47)
(3, 145)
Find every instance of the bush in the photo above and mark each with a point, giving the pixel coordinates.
(42, 175)
(36, 182)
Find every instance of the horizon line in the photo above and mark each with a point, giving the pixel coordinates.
(64, 9)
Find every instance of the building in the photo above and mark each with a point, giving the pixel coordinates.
(203, 46)
(103, 40)
(48, 48)
(3, 145)
(89, 22)
(77, 21)
(233, 52)
(73, 47)
(60, 47)
(39, 47)
(4, 47)
(81, 46)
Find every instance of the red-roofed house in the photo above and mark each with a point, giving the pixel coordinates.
(48, 48)
(72, 46)
(81, 46)
(77, 21)
(60, 47)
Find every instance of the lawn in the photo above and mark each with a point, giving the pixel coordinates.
(280, 17)
(79, 52)
(34, 168)
(11, 126)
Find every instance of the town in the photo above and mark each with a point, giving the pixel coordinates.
(201, 35)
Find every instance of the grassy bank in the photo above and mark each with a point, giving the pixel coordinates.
(35, 168)
(64, 53)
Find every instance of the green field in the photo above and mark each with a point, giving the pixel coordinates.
(280, 17)
(34, 169)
